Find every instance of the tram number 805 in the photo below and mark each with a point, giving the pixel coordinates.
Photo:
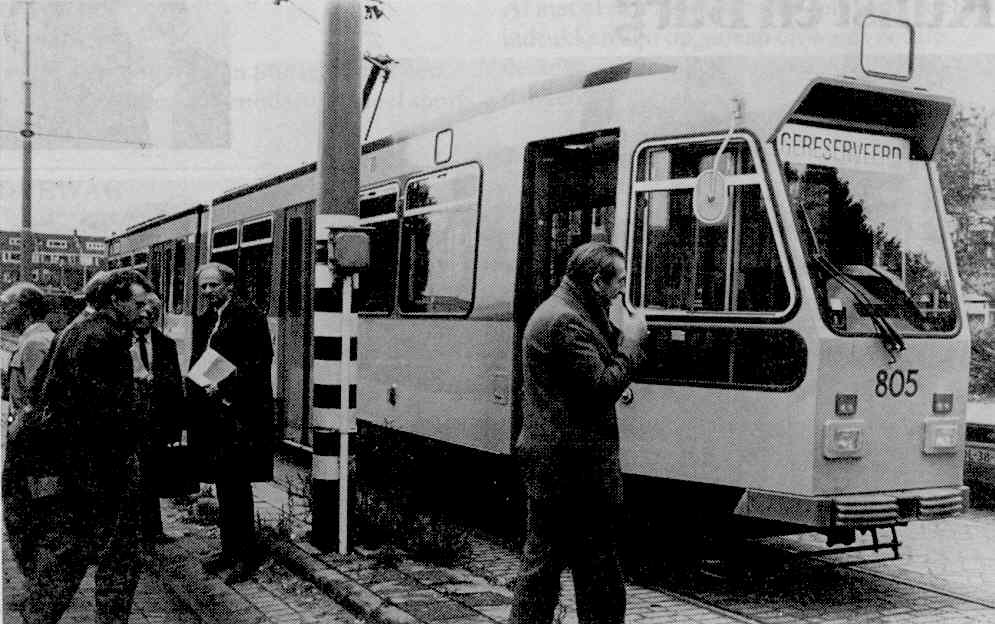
(897, 383)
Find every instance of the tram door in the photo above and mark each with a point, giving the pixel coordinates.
(294, 365)
(568, 199)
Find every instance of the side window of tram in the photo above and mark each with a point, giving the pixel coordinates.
(684, 264)
(439, 241)
(378, 211)
(140, 262)
(255, 263)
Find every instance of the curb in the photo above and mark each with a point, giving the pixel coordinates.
(212, 602)
(360, 601)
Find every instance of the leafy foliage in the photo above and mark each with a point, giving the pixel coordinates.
(982, 381)
(965, 164)
(373, 9)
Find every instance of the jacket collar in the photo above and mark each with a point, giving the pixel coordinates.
(115, 319)
(583, 298)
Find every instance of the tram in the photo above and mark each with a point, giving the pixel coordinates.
(808, 353)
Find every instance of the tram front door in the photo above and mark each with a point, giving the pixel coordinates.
(294, 367)
(568, 199)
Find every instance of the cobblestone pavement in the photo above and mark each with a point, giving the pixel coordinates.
(953, 556)
(175, 589)
(155, 603)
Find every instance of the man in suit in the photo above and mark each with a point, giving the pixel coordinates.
(576, 364)
(89, 433)
(159, 390)
(233, 430)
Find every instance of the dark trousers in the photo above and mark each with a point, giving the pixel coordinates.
(236, 518)
(151, 515)
(67, 540)
(573, 513)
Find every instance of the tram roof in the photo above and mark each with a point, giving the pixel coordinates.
(540, 89)
(152, 222)
(777, 85)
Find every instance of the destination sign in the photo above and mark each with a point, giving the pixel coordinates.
(837, 148)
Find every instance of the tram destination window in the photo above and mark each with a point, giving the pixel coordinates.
(682, 265)
(378, 211)
(439, 242)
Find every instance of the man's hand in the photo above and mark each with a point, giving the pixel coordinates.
(211, 389)
(633, 326)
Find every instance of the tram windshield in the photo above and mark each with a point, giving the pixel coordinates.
(873, 243)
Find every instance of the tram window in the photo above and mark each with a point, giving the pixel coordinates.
(224, 247)
(225, 238)
(179, 276)
(254, 274)
(257, 231)
(378, 210)
(438, 241)
(295, 266)
(761, 359)
(681, 264)
(255, 261)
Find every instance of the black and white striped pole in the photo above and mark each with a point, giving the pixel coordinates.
(341, 250)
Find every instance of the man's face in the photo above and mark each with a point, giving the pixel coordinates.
(149, 315)
(609, 288)
(133, 308)
(213, 288)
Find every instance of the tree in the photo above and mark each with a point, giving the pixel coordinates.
(965, 164)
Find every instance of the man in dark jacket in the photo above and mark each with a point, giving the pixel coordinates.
(576, 364)
(159, 389)
(233, 429)
(92, 434)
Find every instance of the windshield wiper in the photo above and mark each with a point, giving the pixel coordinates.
(890, 338)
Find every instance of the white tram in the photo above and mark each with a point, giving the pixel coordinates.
(808, 354)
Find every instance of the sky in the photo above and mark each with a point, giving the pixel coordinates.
(227, 92)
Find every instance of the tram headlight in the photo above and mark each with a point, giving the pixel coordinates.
(943, 403)
(843, 438)
(940, 435)
(846, 404)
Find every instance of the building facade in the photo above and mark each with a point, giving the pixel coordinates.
(59, 263)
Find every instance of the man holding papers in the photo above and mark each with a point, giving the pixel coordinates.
(232, 427)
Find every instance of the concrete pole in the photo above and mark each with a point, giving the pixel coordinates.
(334, 402)
(27, 242)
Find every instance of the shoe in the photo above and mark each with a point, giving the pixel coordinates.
(243, 571)
(217, 562)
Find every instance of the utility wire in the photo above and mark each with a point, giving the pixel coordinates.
(80, 138)
(294, 4)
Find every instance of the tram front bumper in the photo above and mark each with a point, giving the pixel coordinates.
(855, 510)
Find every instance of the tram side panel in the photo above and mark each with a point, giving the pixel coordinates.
(440, 365)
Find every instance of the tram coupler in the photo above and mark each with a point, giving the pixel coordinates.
(832, 537)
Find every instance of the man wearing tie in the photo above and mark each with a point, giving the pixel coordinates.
(233, 430)
(159, 391)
